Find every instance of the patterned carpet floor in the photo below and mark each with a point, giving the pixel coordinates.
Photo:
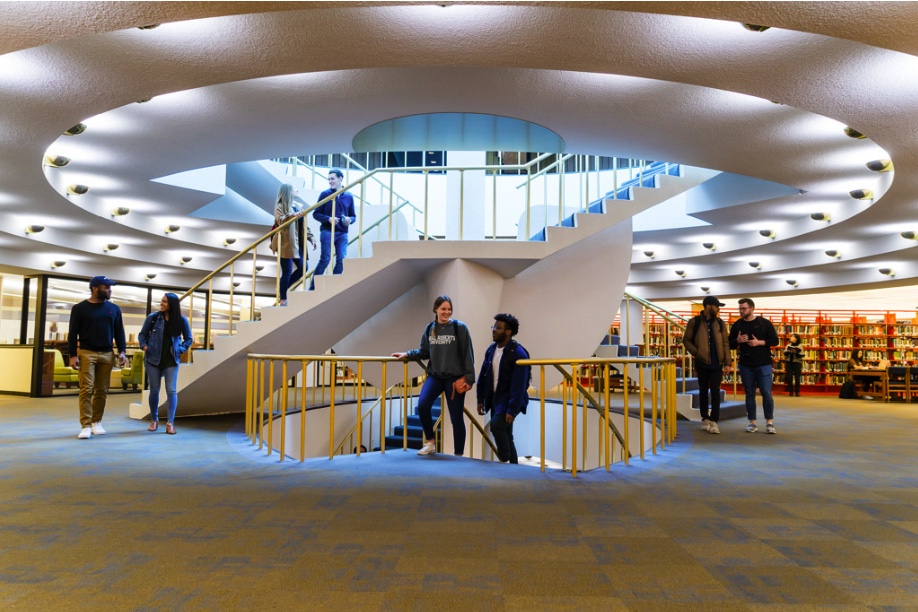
(823, 515)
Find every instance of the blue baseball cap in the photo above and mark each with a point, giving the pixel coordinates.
(101, 280)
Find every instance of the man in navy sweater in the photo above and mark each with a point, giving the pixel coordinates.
(335, 216)
(95, 323)
(503, 385)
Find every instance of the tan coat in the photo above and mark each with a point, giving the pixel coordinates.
(695, 340)
(288, 237)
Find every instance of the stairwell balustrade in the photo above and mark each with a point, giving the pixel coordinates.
(582, 423)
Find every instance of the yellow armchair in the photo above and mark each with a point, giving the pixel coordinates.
(133, 375)
(62, 372)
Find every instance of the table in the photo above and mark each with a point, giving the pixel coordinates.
(882, 376)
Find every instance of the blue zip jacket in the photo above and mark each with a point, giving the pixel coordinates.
(344, 207)
(151, 336)
(512, 381)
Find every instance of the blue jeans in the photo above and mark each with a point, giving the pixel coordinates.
(325, 256)
(433, 387)
(289, 276)
(761, 377)
(503, 438)
(155, 375)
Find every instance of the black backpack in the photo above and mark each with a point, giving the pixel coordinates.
(847, 390)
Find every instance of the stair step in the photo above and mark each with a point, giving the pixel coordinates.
(395, 442)
(414, 431)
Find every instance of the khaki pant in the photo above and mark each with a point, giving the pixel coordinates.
(95, 376)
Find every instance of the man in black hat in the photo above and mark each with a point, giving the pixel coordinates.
(706, 339)
(95, 323)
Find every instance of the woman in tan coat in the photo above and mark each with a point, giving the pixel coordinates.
(288, 240)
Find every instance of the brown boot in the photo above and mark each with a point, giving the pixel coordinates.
(170, 428)
(154, 425)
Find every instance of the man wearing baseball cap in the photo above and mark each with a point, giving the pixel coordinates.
(706, 339)
(95, 323)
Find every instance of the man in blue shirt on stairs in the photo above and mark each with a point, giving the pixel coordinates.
(335, 217)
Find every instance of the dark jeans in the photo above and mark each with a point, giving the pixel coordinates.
(289, 276)
(503, 438)
(792, 375)
(761, 377)
(325, 256)
(709, 380)
(432, 388)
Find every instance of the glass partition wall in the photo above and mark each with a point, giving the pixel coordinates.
(38, 367)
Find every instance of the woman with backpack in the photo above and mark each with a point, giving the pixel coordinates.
(447, 346)
(164, 337)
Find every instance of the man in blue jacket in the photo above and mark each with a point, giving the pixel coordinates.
(504, 393)
(335, 216)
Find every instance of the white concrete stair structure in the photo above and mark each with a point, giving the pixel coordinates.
(569, 284)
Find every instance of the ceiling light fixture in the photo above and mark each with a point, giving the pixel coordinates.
(171, 229)
(111, 246)
(34, 229)
(706, 289)
(756, 265)
(821, 217)
(186, 259)
(229, 241)
(56, 161)
(236, 283)
(681, 273)
(709, 245)
(756, 28)
(60, 263)
(149, 277)
(767, 233)
(791, 282)
(909, 235)
(148, 27)
(880, 165)
(76, 130)
(851, 132)
(861, 194)
(77, 189)
(833, 253)
(649, 254)
(887, 272)
(120, 211)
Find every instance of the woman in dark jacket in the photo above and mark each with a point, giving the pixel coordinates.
(793, 365)
(447, 346)
(164, 337)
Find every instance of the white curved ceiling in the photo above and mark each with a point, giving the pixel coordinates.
(247, 81)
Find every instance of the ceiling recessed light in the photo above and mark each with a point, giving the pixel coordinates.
(767, 233)
(818, 216)
(833, 253)
(76, 130)
(58, 264)
(77, 189)
(756, 265)
(861, 194)
(149, 277)
(887, 272)
(756, 28)
(880, 165)
(909, 235)
(229, 241)
(56, 161)
(259, 268)
(186, 259)
(111, 246)
(120, 211)
(171, 229)
(236, 283)
(681, 273)
(649, 254)
(709, 245)
(34, 229)
(791, 282)
(706, 289)
(851, 132)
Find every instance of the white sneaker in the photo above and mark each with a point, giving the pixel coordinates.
(714, 429)
(429, 448)
(97, 429)
(770, 429)
(85, 433)
(705, 425)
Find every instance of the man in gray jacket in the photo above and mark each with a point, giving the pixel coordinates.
(706, 339)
